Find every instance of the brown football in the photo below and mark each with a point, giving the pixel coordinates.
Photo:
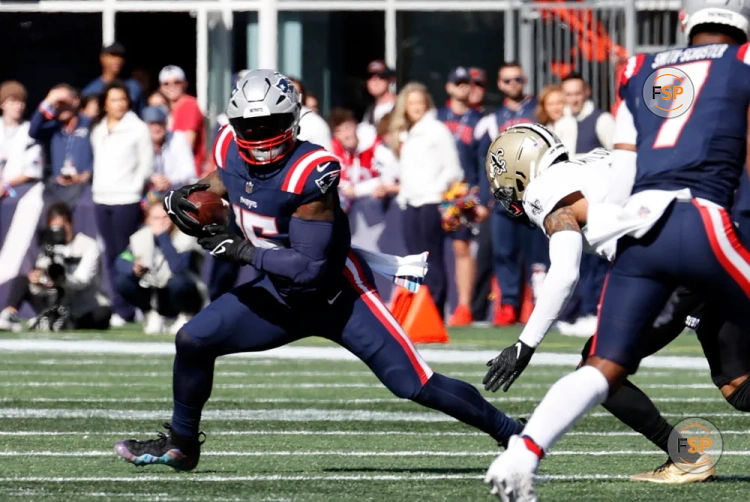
(211, 208)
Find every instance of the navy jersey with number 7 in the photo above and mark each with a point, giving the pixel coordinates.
(704, 148)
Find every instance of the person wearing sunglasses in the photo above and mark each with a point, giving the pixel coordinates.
(515, 248)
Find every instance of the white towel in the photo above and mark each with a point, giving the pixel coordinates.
(407, 271)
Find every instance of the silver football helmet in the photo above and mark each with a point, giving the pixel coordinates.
(734, 13)
(516, 157)
(264, 114)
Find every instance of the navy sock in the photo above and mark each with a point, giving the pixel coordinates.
(464, 402)
(186, 420)
(192, 379)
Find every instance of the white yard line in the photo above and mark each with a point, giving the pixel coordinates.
(308, 400)
(198, 478)
(354, 453)
(283, 415)
(310, 385)
(328, 433)
(318, 353)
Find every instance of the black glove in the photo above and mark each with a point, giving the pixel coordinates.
(177, 206)
(507, 366)
(226, 245)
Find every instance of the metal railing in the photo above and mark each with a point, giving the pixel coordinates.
(550, 38)
(592, 38)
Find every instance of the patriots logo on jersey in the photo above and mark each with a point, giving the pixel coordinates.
(327, 180)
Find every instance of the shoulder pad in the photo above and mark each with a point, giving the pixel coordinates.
(223, 139)
(743, 54)
(306, 171)
(632, 67)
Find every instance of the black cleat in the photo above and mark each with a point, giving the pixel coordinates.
(179, 452)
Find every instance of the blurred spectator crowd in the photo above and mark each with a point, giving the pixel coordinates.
(86, 243)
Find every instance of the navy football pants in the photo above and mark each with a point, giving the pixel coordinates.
(693, 245)
(250, 318)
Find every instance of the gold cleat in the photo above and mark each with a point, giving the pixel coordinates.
(675, 473)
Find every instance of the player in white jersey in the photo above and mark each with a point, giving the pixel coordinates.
(551, 190)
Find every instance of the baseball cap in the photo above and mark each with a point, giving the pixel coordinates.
(379, 68)
(154, 114)
(478, 75)
(459, 74)
(171, 71)
(115, 48)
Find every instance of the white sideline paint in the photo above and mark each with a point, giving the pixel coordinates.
(197, 478)
(320, 353)
(329, 433)
(280, 414)
(308, 400)
(317, 385)
(353, 453)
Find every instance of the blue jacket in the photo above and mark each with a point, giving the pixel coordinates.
(58, 143)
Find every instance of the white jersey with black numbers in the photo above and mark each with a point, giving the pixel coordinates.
(612, 212)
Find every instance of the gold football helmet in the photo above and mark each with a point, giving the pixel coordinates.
(518, 156)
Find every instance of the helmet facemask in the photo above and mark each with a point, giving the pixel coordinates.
(507, 197)
(264, 140)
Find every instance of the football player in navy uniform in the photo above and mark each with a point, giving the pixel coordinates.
(309, 281)
(694, 161)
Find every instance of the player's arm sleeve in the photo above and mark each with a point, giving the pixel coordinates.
(622, 170)
(625, 131)
(310, 230)
(605, 129)
(622, 176)
(305, 260)
(565, 248)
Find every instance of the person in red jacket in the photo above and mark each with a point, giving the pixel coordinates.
(186, 114)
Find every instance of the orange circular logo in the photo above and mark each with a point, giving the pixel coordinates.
(668, 92)
(695, 445)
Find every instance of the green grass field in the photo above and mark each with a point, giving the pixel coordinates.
(321, 430)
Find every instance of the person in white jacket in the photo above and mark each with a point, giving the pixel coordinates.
(123, 163)
(20, 189)
(429, 165)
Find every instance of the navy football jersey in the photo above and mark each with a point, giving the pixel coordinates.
(264, 199)
(704, 148)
